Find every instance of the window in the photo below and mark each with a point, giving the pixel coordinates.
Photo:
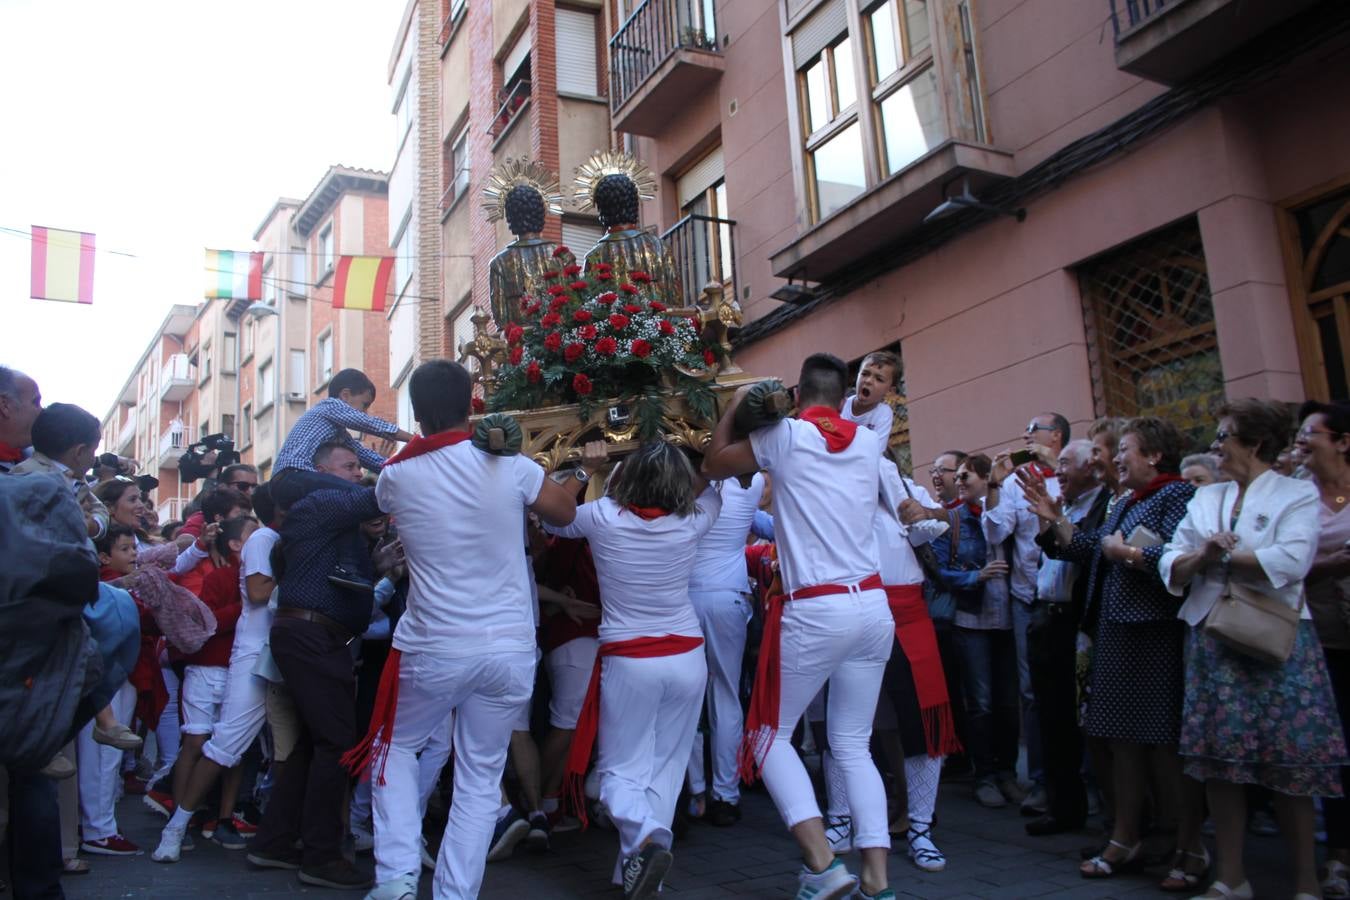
(403, 110)
(461, 330)
(704, 243)
(404, 253)
(827, 87)
(246, 425)
(325, 251)
(295, 375)
(580, 235)
(205, 364)
(577, 72)
(1317, 237)
(455, 167)
(267, 385)
(250, 334)
(323, 359)
(515, 83)
(903, 81)
(227, 426)
(298, 281)
(229, 347)
(1152, 347)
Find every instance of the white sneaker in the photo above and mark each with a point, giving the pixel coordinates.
(922, 850)
(839, 832)
(402, 888)
(170, 845)
(834, 883)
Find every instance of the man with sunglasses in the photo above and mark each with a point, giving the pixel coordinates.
(241, 477)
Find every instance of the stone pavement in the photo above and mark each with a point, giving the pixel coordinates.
(989, 856)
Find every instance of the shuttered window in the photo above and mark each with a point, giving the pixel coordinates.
(703, 175)
(825, 24)
(580, 236)
(516, 55)
(576, 52)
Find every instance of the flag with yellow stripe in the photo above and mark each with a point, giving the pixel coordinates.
(63, 265)
(362, 282)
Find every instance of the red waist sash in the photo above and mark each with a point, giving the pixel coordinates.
(918, 641)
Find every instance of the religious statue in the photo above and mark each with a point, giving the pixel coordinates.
(613, 183)
(522, 191)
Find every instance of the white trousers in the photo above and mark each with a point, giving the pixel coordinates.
(845, 640)
(569, 674)
(648, 714)
(242, 713)
(101, 770)
(484, 693)
(723, 616)
(201, 697)
(429, 764)
(167, 735)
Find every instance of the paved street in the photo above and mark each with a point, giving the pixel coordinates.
(989, 856)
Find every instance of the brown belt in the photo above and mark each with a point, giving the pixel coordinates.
(318, 618)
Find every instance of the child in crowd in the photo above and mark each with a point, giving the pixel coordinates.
(877, 378)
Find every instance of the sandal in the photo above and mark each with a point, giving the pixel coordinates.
(1101, 867)
(1336, 885)
(1179, 879)
(1220, 891)
(74, 866)
(922, 850)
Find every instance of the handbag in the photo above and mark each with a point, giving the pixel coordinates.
(1250, 622)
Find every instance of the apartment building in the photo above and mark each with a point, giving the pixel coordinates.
(1090, 206)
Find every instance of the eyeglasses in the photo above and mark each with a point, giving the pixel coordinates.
(1221, 436)
(1306, 433)
(963, 477)
(939, 469)
(1034, 427)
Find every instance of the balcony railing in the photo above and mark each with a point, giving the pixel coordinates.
(704, 250)
(653, 32)
(1126, 14)
(506, 113)
(171, 510)
(127, 436)
(176, 379)
(172, 442)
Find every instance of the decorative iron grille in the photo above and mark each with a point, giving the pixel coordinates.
(1149, 319)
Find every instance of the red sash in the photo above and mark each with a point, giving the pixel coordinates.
(588, 723)
(918, 641)
(420, 445)
(10, 454)
(761, 720)
(368, 757)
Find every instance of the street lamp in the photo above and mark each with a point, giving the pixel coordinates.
(950, 206)
(257, 311)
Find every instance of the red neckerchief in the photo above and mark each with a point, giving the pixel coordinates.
(10, 454)
(420, 445)
(1159, 482)
(647, 512)
(1042, 469)
(952, 504)
(975, 508)
(108, 573)
(837, 431)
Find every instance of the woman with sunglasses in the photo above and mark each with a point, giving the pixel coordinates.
(1249, 721)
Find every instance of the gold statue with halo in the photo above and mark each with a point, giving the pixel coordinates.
(522, 191)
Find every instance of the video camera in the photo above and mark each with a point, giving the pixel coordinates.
(193, 465)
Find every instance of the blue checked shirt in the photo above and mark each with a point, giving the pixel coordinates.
(329, 420)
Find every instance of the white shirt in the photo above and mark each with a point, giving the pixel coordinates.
(1013, 517)
(459, 512)
(719, 562)
(255, 619)
(1055, 580)
(896, 540)
(879, 419)
(824, 503)
(1279, 523)
(643, 566)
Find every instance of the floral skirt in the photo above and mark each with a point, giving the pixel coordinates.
(1250, 722)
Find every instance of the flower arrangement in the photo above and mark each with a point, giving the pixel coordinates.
(591, 339)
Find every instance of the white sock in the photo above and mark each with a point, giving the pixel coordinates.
(180, 818)
(836, 794)
(922, 776)
(550, 805)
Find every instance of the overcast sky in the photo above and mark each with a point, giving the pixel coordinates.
(166, 127)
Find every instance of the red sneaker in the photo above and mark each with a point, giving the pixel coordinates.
(131, 785)
(111, 846)
(208, 827)
(159, 802)
(244, 826)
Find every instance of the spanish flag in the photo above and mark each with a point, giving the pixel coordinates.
(234, 275)
(362, 282)
(63, 265)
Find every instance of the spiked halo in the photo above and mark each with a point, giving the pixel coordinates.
(609, 162)
(514, 173)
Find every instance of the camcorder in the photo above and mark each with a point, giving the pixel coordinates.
(206, 457)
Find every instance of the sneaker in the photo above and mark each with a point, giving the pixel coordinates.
(697, 806)
(288, 858)
(989, 796)
(226, 836)
(170, 845)
(352, 581)
(1036, 803)
(362, 841)
(883, 894)
(245, 828)
(839, 832)
(160, 802)
(644, 870)
(58, 769)
(509, 832)
(1011, 790)
(560, 823)
(145, 769)
(116, 845)
(722, 814)
(119, 736)
(403, 887)
(209, 828)
(537, 839)
(834, 883)
(336, 873)
(922, 851)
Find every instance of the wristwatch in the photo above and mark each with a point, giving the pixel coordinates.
(581, 475)
(1227, 558)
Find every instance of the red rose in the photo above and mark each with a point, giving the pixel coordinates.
(657, 306)
(516, 354)
(606, 346)
(556, 290)
(582, 316)
(618, 322)
(640, 277)
(604, 267)
(604, 276)
(557, 303)
(709, 358)
(572, 270)
(581, 384)
(579, 285)
(478, 405)
(573, 351)
(514, 333)
(640, 348)
(550, 320)
(586, 332)
(631, 308)
(628, 288)
(552, 341)
(607, 298)
(531, 308)
(533, 372)
(666, 327)
(550, 274)
(560, 250)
